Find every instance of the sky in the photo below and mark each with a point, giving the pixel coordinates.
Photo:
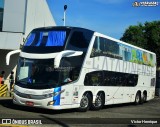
(109, 17)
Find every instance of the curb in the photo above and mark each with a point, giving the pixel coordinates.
(5, 98)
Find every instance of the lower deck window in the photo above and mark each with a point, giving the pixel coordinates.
(109, 78)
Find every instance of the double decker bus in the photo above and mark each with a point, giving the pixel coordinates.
(71, 67)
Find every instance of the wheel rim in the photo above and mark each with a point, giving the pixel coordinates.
(84, 102)
(98, 101)
(137, 99)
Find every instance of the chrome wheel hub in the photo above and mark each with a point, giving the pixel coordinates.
(84, 102)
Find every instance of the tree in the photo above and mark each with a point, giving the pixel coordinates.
(146, 36)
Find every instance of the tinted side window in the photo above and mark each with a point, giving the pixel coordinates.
(96, 51)
(153, 82)
(94, 79)
(119, 79)
(105, 47)
(109, 48)
(79, 40)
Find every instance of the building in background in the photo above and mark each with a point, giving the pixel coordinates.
(17, 19)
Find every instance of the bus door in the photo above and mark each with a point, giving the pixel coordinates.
(67, 95)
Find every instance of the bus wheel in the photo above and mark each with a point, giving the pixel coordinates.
(137, 98)
(99, 102)
(85, 102)
(144, 97)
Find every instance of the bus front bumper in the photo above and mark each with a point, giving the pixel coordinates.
(47, 103)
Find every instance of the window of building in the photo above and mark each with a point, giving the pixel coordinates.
(1, 13)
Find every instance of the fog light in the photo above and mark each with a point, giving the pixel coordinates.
(50, 103)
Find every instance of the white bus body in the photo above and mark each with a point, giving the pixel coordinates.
(101, 70)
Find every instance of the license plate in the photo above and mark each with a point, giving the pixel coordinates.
(29, 103)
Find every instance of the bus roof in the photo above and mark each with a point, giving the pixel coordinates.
(60, 27)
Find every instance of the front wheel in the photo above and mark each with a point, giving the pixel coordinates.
(85, 102)
(99, 102)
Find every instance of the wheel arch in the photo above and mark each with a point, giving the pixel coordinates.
(85, 92)
(145, 92)
(99, 91)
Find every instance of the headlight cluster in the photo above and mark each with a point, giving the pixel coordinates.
(48, 95)
(35, 96)
(51, 94)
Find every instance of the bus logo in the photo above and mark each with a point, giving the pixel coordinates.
(145, 4)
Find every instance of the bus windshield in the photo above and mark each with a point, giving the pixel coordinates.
(41, 74)
(35, 73)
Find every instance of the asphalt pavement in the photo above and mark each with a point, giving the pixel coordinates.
(129, 115)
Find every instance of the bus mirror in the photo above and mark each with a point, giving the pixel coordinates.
(11, 53)
(66, 53)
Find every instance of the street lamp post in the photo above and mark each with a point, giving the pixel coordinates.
(64, 19)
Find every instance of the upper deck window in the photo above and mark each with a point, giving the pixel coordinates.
(51, 38)
(46, 40)
(109, 48)
(79, 40)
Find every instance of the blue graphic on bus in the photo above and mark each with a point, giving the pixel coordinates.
(57, 97)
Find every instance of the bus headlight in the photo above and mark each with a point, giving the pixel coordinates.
(50, 103)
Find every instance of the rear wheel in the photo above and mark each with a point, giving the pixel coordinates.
(144, 97)
(99, 102)
(137, 98)
(85, 102)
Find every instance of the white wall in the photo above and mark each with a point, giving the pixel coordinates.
(38, 15)
(10, 40)
(14, 15)
(20, 17)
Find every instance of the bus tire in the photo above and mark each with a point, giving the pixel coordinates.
(99, 102)
(85, 102)
(144, 97)
(137, 98)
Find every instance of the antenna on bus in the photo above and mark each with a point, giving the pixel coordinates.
(64, 18)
